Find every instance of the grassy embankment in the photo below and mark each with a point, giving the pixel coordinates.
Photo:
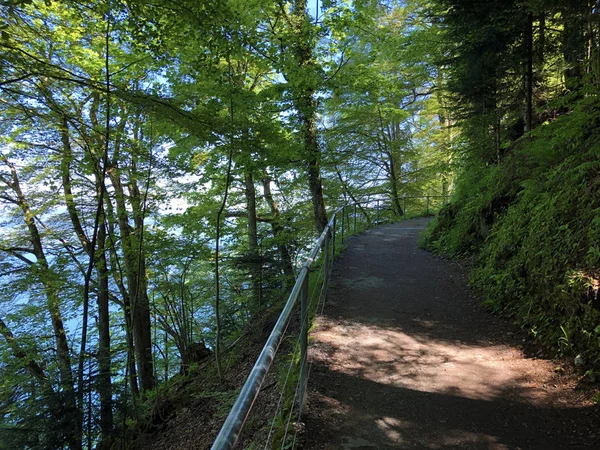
(532, 227)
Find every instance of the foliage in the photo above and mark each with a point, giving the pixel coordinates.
(532, 222)
(521, 78)
(382, 118)
(120, 122)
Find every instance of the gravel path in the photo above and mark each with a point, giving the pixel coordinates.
(404, 357)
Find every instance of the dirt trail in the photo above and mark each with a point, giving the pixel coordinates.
(404, 357)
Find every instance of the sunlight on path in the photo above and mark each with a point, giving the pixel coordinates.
(392, 357)
(404, 358)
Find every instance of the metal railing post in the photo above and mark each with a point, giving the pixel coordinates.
(427, 209)
(355, 205)
(326, 269)
(239, 413)
(303, 345)
(334, 227)
(377, 213)
(230, 431)
(343, 219)
(405, 206)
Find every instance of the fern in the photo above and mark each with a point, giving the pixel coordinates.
(533, 223)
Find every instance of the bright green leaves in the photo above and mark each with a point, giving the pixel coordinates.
(382, 109)
(533, 223)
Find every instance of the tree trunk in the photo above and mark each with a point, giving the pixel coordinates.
(528, 73)
(118, 278)
(349, 193)
(136, 284)
(141, 310)
(287, 266)
(104, 358)
(137, 317)
(497, 134)
(104, 384)
(592, 17)
(385, 147)
(314, 175)
(574, 43)
(306, 105)
(47, 278)
(393, 179)
(253, 255)
(540, 51)
(29, 363)
(67, 157)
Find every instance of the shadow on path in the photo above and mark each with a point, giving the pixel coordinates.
(404, 358)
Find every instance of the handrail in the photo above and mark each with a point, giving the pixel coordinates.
(230, 431)
(234, 423)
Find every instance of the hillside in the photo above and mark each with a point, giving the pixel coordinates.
(531, 226)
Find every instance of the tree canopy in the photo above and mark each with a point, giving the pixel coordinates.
(164, 166)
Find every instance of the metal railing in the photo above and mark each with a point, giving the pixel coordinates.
(324, 249)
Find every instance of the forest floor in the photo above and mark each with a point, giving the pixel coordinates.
(404, 356)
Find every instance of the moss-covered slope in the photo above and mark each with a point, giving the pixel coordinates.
(532, 224)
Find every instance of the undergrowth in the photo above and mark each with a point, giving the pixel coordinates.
(207, 399)
(532, 226)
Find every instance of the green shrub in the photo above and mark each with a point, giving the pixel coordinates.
(533, 225)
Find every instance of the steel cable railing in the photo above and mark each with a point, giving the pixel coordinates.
(350, 219)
